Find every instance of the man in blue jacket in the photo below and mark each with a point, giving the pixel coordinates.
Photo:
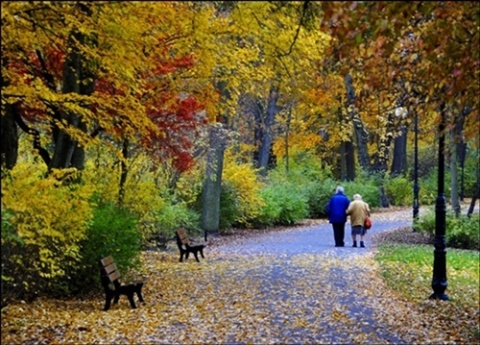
(336, 210)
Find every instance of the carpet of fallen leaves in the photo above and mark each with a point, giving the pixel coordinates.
(243, 299)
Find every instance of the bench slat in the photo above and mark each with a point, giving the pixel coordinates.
(183, 236)
(114, 276)
(107, 261)
(110, 268)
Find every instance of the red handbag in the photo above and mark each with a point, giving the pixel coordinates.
(368, 223)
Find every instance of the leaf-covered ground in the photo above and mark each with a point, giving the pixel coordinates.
(242, 297)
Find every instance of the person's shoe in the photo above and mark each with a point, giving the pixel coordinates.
(362, 245)
(354, 244)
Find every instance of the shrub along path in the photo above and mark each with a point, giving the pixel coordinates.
(284, 286)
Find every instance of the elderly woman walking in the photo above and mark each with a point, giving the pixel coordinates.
(336, 208)
(358, 210)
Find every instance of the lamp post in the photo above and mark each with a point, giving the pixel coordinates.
(415, 173)
(439, 280)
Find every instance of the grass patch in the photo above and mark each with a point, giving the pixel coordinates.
(408, 270)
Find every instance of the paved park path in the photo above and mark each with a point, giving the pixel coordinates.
(332, 297)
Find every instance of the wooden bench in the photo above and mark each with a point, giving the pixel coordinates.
(186, 245)
(110, 278)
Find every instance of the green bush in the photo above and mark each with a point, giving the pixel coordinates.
(18, 281)
(463, 232)
(460, 232)
(271, 210)
(429, 188)
(285, 205)
(319, 194)
(171, 217)
(367, 188)
(311, 179)
(399, 191)
(426, 222)
(470, 171)
(113, 232)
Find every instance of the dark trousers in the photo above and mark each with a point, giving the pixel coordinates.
(339, 234)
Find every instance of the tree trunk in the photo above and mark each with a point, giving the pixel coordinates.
(213, 182)
(64, 145)
(461, 147)
(264, 132)
(461, 153)
(77, 78)
(476, 195)
(343, 162)
(86, 87)
(350, 161)
(399, 164)
(124, 172)
(287, 133)
(9, 132)
(360, 133)
(347, 161)
(456, 155)
(383, 155)
(454, 182)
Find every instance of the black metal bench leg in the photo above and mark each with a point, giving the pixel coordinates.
(139, 293)
(132, 302)
(108, 300)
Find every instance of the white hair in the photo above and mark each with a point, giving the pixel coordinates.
(339, 189)
(357, 197)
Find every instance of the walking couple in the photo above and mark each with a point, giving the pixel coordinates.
(338, 208)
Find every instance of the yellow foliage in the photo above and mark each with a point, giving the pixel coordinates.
(298, 143)
(243, 178)
(132, 40)
(190, 184)
(50, 215)
(142, 193)
(144, 198)
(103, 177)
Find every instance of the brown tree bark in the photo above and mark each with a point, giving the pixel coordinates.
(399, 163)
(9, 133)
(360, 134)
(213, 181)
(264, 131)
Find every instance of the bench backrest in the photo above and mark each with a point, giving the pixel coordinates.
(183, 237)
(110, 269)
